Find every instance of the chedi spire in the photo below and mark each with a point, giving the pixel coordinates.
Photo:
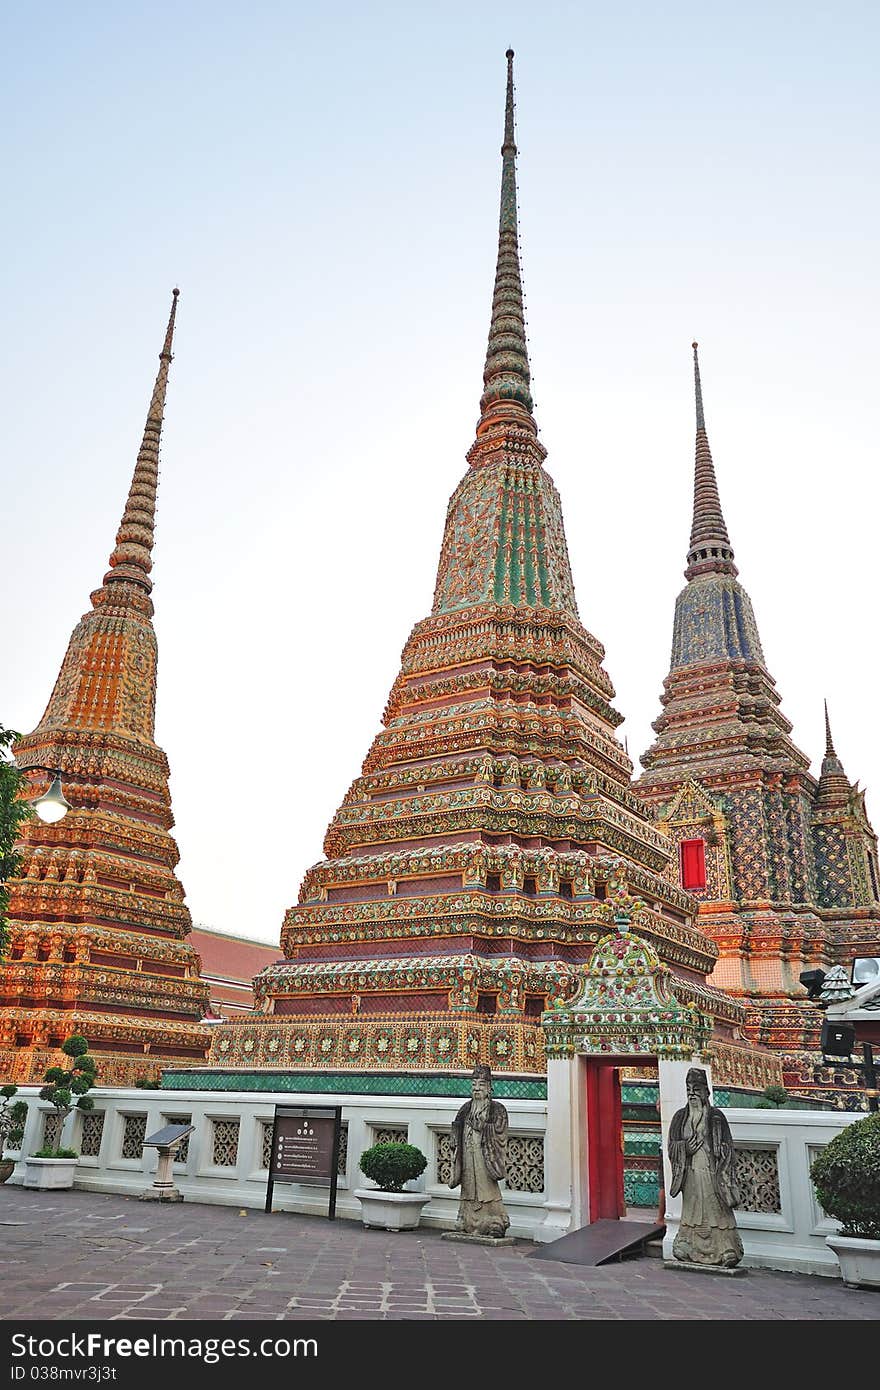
(506, 378)
(131, 560)
(833, 782)
(710, 548)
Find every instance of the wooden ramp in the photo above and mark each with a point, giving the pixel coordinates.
(601, 1242)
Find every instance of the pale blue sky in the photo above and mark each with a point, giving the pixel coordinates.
(323, 186)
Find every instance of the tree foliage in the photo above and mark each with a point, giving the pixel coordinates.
(14, 811)
(13, 1114)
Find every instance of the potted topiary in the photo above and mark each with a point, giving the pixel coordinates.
(12, 1117)
(54, 1167)
(387, 1205)
(846, 1176)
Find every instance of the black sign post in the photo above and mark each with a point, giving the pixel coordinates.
(305, 1148)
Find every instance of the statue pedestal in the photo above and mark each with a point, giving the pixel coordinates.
(735, 1272)
(478, 1240)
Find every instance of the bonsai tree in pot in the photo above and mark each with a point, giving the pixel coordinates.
(846, 1176)
(12, 1117)
(387, 1205)
(65, 1089)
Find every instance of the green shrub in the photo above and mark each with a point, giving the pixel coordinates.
(846, 1176)
(391, 1165)
(776, 1095)
(63, 1083)
(13, 1114)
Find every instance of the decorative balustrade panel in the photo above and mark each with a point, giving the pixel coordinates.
(525, 1161)
(92, 1134)
(757, 1176)
(390, 1134)
(52, 1126)
(134, 1133)
(224, 1146)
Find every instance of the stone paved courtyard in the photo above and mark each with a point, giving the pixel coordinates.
(80, 1255)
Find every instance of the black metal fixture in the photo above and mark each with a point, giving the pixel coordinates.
(838, 1041)
(812, 981)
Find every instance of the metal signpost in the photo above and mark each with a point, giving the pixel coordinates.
(167, 1141)
(305, 1148)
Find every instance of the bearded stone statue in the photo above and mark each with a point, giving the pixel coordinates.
(703, 1165)
(479, 1160)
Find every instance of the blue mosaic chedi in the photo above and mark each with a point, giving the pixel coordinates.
(784, 867)
(714, 621)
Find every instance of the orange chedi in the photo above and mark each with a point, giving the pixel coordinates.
(97, 918)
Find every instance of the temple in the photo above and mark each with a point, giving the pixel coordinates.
(493, 836)
(784, 868)
(97, 918)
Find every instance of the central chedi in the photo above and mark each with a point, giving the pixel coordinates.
(493, 834)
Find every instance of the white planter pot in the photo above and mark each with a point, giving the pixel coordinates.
(391, 1211)
(859, 1260)
(49, 1173)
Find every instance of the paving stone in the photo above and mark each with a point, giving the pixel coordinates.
(203, 1262)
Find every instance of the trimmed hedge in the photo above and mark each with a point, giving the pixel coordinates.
(846, 1176)
(391, 1165)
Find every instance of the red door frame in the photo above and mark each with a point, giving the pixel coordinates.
(605, 1135)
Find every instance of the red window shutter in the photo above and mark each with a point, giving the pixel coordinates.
(693, 864)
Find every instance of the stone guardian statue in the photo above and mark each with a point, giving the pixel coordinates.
(479, 1160)
(703, 1163)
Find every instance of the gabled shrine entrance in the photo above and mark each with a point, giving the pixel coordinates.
(625, 1015)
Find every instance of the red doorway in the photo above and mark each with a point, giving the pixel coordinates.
(604, 1141)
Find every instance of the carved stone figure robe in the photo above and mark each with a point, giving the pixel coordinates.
(701, 1155)
(479, 1138)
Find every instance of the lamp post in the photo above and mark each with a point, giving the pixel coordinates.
(53, 805)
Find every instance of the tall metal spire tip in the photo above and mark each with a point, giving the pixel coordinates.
(506, 394)
(830, 751)
(698, 389)
(131, 560)
(710, 548)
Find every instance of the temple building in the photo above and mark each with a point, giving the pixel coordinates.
(784, 868)
(98, 921)
(493, 836)
(229, 964)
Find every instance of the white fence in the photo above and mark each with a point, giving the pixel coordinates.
(226, 1159)
(781, 1223)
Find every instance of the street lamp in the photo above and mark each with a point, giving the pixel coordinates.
(53, 805)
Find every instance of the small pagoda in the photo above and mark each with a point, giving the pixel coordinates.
(493, 835)
(98, 922)
(784, 868)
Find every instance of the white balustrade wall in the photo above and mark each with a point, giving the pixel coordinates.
(226, 1156)
(781, 1223)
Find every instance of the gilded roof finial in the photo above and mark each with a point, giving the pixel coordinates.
(506, 378)
(131, 560)
(710, 548)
